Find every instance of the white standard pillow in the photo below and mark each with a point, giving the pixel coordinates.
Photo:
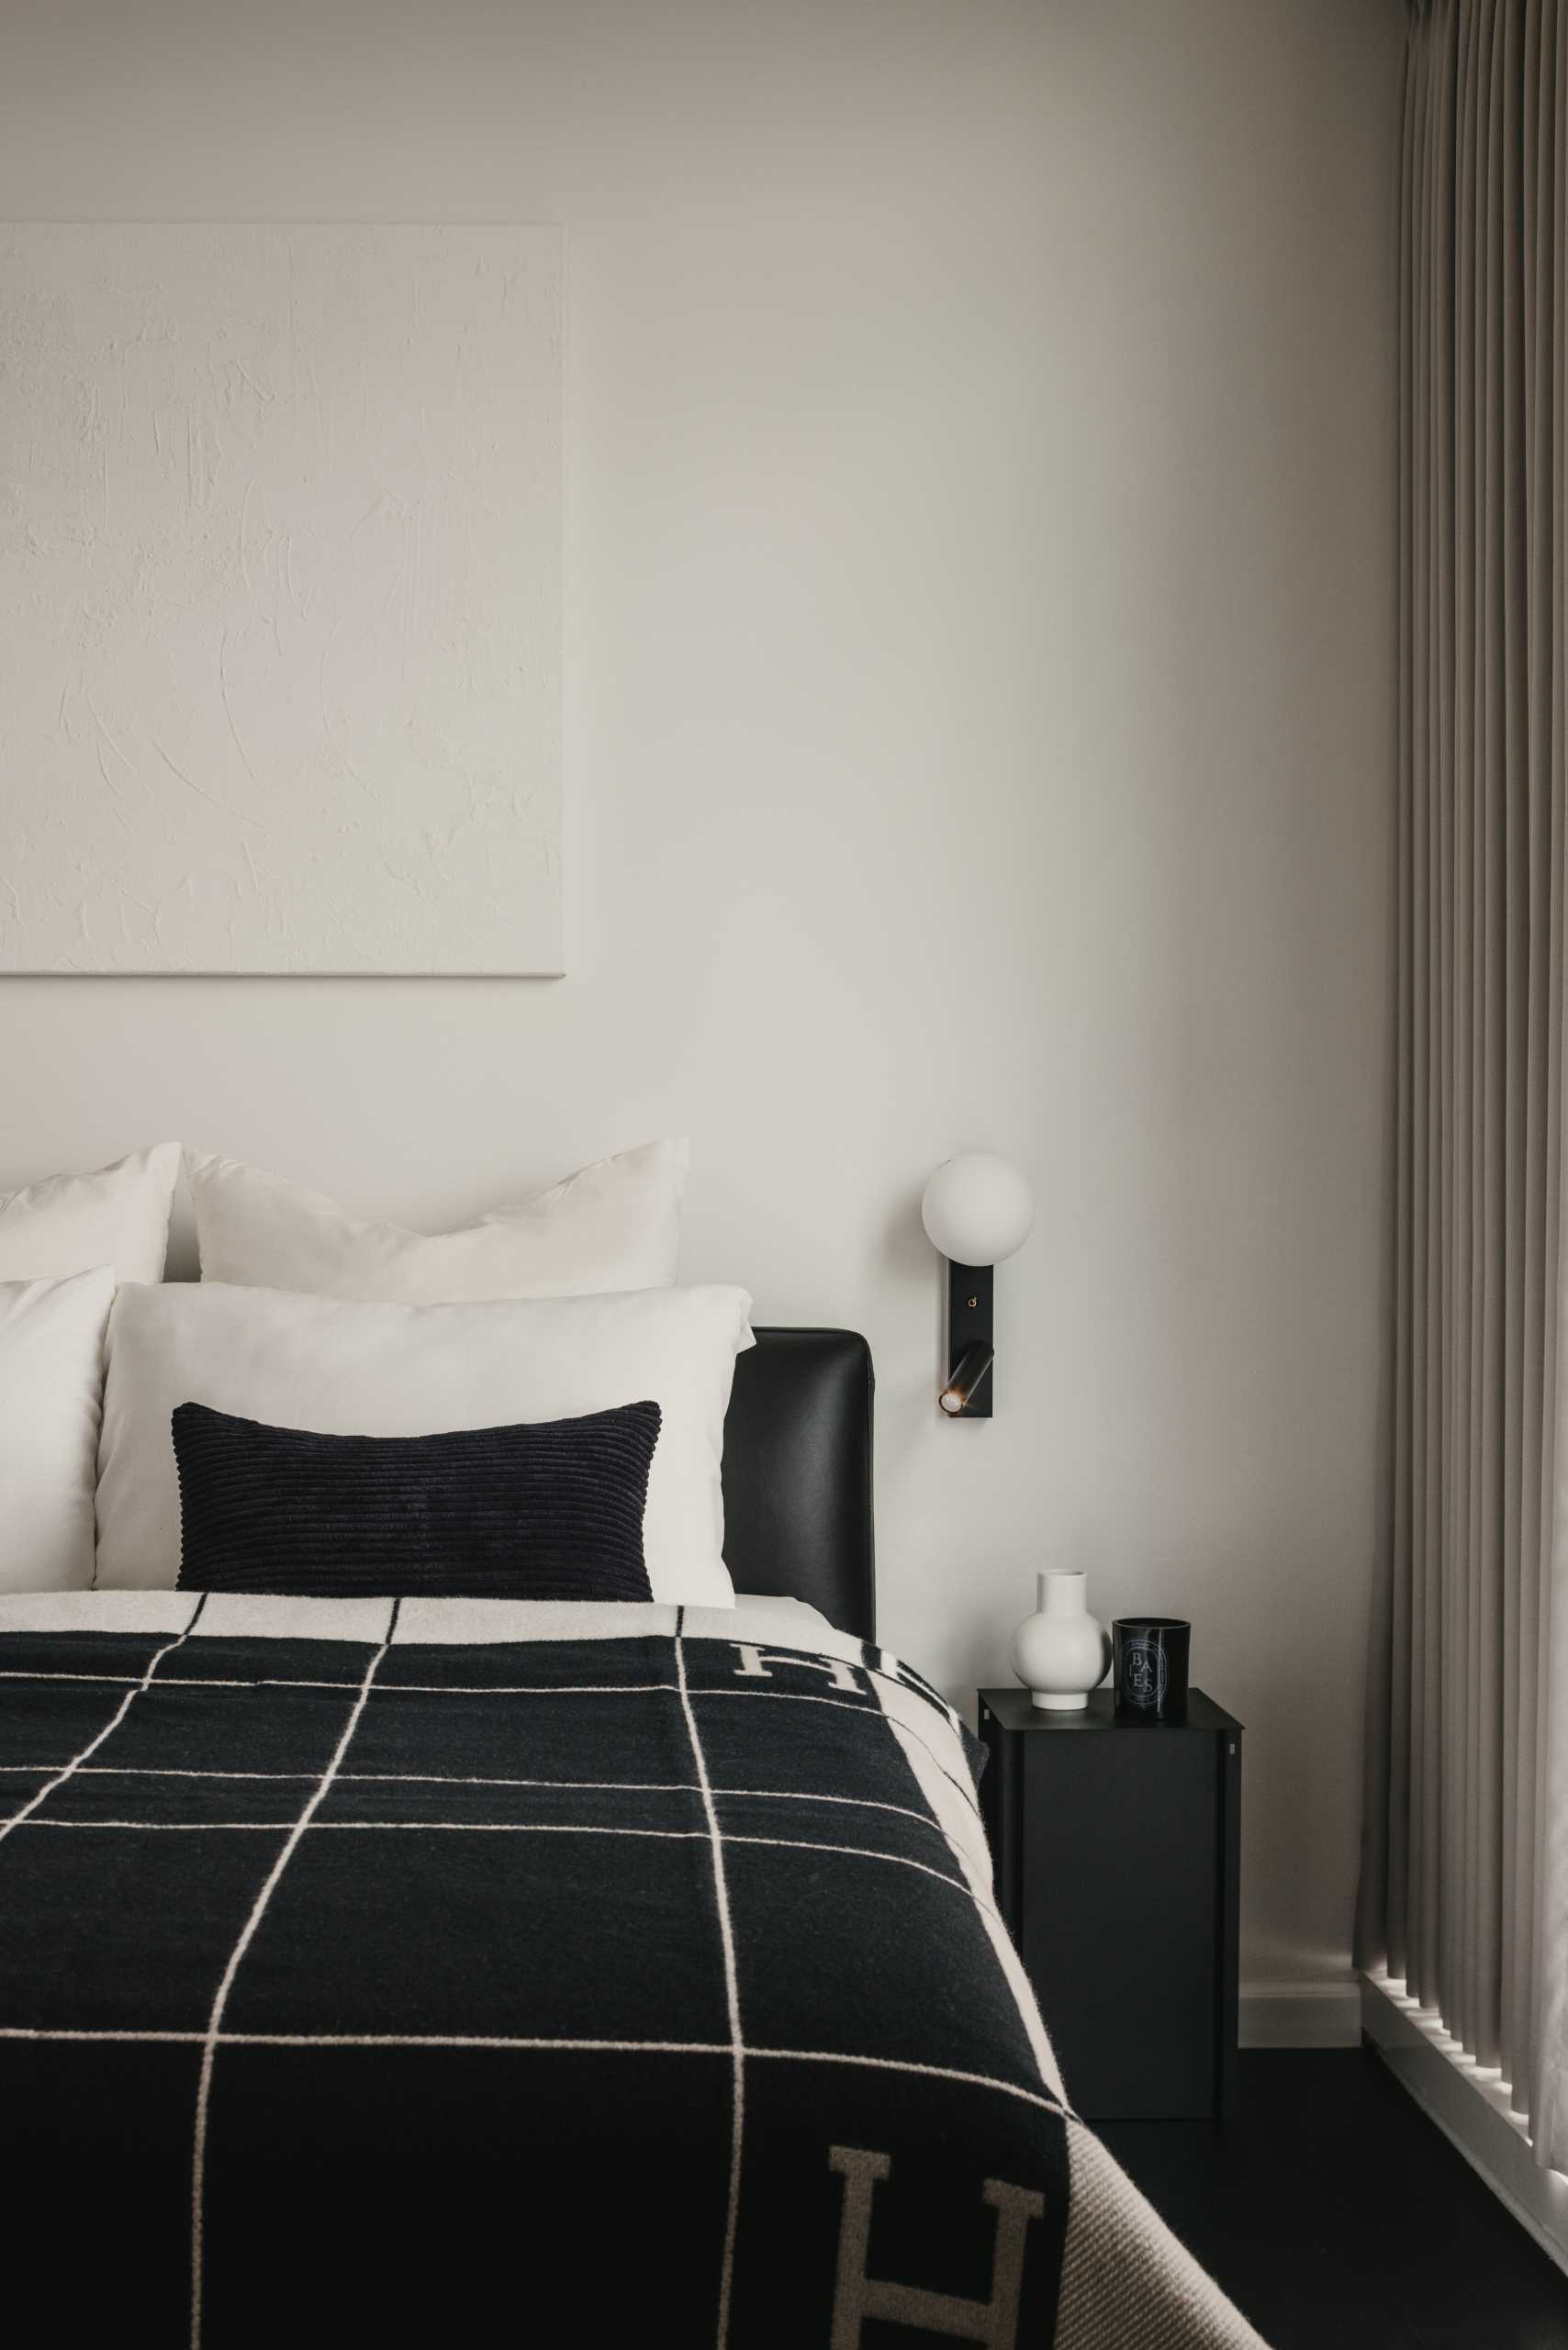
(613, 1226)
(52, 1379)
(70, 1223)
(347, 1370)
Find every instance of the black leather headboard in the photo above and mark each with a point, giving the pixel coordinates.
(798, 1474)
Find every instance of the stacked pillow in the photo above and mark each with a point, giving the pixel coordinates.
(526, 1407)
(52, 1378)
(69, 1224)
(282, 1360)
(613, 1226)
(64, 1245)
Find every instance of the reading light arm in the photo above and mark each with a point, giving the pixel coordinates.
(959, 1397)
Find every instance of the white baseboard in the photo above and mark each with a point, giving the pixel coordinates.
(1301, 2015)
(1469, 2107)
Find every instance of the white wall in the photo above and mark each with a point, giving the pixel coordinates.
(978, 729)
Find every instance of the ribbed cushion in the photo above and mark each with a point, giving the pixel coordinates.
(549, 1509)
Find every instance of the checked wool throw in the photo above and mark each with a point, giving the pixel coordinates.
(423, 1969)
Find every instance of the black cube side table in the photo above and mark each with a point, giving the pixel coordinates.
(1117, 1851)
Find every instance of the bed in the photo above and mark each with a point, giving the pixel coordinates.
(452, 1969)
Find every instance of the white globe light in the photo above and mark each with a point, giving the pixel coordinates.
(978, 1208)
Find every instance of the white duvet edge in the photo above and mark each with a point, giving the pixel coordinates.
(235, 1615)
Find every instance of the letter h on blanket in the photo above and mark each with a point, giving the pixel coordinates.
(754, 1662)
(857, 2297)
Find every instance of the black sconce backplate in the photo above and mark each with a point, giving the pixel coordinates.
(969, 1324)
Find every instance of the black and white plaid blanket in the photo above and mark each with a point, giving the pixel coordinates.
(459, 1971)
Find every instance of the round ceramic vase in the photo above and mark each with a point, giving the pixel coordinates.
(1061, 1651)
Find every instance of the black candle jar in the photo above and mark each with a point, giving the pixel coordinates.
(1151, 1668)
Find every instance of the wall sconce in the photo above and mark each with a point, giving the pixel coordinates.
(977, 1210)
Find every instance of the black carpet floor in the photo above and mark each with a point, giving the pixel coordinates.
(1335, 2213)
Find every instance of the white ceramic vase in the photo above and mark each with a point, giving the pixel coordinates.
(1061, 1651)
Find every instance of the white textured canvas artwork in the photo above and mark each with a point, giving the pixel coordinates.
(280, 599)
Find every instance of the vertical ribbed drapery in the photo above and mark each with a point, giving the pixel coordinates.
(1464, 1786)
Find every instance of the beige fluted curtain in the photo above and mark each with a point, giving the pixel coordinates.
(1466, 1784)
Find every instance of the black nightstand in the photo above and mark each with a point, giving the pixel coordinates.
(1118, 1868)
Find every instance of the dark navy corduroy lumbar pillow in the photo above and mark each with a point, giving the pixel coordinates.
(548, 1509)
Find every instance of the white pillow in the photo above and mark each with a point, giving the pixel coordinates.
(613, 1226)
(345, 1369)
(69, 1224)
(52, 1379)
